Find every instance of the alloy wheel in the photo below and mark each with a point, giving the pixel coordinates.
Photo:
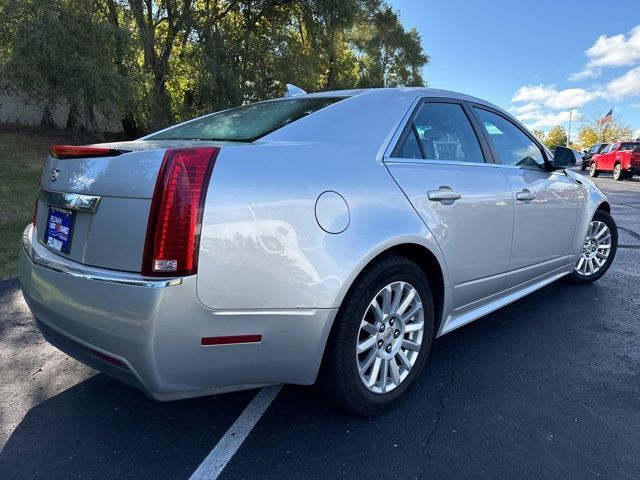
(617, 172)
(390, 337)
(596, 249)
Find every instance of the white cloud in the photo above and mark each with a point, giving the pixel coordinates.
(590, 72)
(544, 119)
(614, 51)
(627, 85)
(550, 97)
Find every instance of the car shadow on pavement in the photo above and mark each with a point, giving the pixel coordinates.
(101, 428)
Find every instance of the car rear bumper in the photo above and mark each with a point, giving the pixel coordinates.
(148, 332)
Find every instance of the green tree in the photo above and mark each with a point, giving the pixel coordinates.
(158, 61)
(388, 55)
(594, 131)
(61, 51)
(555, 137)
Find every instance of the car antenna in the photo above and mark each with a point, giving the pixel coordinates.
(293, 91)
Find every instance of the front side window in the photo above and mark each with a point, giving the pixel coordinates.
(440, 131)
(514, 147)
(246, 123)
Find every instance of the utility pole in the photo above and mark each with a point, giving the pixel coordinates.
(569, 132)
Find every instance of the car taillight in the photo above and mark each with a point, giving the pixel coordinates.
(72, 151)
(173, 231)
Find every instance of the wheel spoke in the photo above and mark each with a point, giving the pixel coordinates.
(386, 300)
(368, 327)
(407, 301)
(377, 311)
(414, 327)
(601, 231)
(410, 345)
(366, 344)
(397, 295)
(367, 363)
(404, 360)
(375, 371)
(395, 371)
(412, 311)
(384, 374)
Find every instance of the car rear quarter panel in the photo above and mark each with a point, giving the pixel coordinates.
(261, 244)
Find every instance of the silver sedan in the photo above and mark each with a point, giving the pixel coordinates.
(321, 238)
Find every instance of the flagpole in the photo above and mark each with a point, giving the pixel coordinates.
(569, 133)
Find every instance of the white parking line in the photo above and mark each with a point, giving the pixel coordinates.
(214, 464)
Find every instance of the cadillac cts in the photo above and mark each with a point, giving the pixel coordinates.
(320, 238)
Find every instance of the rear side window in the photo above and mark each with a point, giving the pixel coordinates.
(514, 147)
(246, 123)
(440, 131)
(629, 146)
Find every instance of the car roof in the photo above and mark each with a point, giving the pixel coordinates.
(405, 92)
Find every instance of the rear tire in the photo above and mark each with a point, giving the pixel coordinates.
(351, 379)
(583, 167)
(587, 268)
(618, 174)
(593, 171)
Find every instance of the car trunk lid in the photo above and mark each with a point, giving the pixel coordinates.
(98, 201)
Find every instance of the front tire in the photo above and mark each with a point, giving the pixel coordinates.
(381, 337)
(598, 251)
(583, 167)
(593, 171)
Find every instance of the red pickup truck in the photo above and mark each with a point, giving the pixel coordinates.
(621, 158)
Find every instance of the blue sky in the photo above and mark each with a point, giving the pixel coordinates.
(536, 59)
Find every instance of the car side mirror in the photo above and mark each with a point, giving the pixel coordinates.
(563, 157)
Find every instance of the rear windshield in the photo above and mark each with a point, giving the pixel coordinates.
(629, 145)
(246, 123)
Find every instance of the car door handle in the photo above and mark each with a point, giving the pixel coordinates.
(525, 195)
(443, 194)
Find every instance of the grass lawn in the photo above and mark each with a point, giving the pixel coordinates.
(23, 151)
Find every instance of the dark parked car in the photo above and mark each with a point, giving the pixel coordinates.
(587, 154)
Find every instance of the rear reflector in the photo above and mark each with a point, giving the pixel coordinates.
(108, 358)
(35, 212)
(175, 219)
(71, 151)
(232, 339)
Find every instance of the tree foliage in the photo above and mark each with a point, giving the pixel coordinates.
(159, 61)
(594, 131)
(555, 137)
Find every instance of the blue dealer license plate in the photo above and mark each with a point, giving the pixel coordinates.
(57, 236)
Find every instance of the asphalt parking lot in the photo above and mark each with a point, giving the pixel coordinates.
(548, 387)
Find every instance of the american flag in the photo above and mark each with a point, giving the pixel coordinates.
(606, 118)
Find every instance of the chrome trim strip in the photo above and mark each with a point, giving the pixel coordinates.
(117, 278)
(70, 201)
